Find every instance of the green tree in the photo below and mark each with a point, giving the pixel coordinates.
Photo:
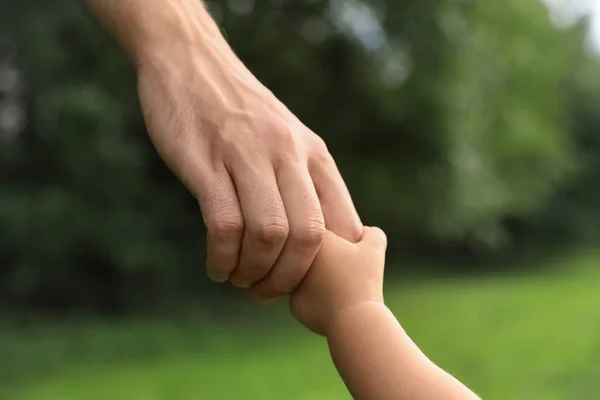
(446, 118)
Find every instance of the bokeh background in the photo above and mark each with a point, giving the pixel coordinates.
(469, 130)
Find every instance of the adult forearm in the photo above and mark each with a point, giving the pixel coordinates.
(147, 28)
(378, 361)
(179, 41)
(171, 34)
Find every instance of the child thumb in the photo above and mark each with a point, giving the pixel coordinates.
(374, 236)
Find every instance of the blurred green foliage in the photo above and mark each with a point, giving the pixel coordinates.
(463, 125)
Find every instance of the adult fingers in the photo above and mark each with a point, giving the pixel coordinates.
(307, 230)
(336, 204)
(266, 225)
(209, 181)
(225, 225)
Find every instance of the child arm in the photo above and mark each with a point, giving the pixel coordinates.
(342, 299)
(378, 361)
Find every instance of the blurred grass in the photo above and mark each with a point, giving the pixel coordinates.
(528, 337)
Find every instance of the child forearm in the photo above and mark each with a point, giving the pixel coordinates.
(378, 361)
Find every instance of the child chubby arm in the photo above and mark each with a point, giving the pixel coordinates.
(342, 299)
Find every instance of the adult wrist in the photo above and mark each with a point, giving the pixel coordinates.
(172, 29)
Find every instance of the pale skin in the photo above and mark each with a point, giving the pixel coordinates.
(342, 299)
(269, 191)
(266, 184)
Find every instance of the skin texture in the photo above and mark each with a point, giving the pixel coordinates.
(266, 184)
(342, 299)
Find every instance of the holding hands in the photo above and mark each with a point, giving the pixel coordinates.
(342, 299)
(271, 196)
(344, 276)
(266, 184)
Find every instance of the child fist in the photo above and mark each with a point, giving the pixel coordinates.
(342, 276)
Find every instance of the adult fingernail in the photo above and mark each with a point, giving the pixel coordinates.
(241, 285)
(218, 278)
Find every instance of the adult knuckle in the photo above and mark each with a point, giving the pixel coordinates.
(319, 145)
(228, 227)
(283, 136)
(280, 130)
(289, 153)
(235, 149)
(228, 144)
(272, 232)
(311, 234)
(320, 152)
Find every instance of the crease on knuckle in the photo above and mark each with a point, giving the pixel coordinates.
(271, 232)
(227, 228)
(311, 234)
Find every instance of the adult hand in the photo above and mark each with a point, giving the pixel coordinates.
(267, 186)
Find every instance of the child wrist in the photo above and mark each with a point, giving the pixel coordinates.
(352, 312)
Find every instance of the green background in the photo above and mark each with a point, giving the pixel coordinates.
(468, 130)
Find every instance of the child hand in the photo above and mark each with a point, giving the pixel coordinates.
(342, 276)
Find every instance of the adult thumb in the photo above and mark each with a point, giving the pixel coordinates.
(373, 236)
